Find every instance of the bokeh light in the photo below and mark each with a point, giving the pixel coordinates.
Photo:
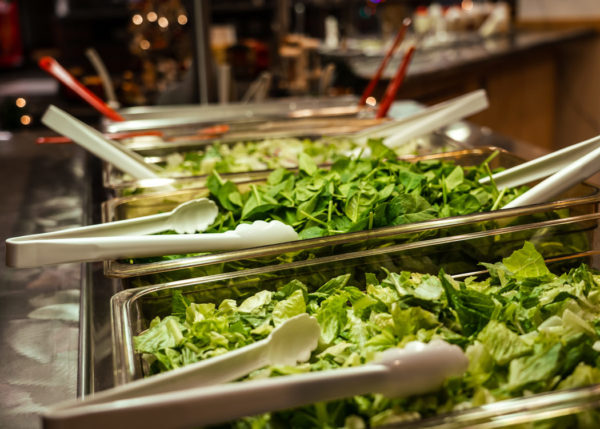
(163, 22)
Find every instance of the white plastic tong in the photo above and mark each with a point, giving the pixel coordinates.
(127, 238)
(93, 141)
(417, 368)
(563, 169)
(400, 131)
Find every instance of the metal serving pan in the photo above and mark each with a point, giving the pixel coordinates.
(133, 309)
(122, 185)
(183, 139)
(182, 118)
(582, 199)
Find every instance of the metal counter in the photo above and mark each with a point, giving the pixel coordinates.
(42, 189)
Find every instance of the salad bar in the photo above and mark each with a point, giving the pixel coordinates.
(379, 249)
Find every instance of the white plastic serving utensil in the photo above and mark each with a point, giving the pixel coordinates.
(565, 168)
(398, 132)
(95, 142)
(189, 217)
(442, 115)
(543, 166)
(416, 369)
(35, 252)
(107, 84)
(432, 118)
(289, 343)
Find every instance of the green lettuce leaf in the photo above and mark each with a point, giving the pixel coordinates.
(289, 307)
(526, 263)
(503, 344)
(332, 317)
(162, 334)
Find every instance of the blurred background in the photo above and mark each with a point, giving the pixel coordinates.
(537, 59)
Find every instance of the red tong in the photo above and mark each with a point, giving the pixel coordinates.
(52, 66)
(398, 79)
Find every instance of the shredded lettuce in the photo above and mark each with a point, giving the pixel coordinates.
(524, 330)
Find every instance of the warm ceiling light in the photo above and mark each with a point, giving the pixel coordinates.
(467, 4)
(163, 22)
(137, 19)
(152, 16)
(20, 102)
(26, 119)
(144, 44)
(371, 101)
(182, 19)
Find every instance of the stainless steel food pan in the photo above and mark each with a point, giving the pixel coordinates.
(133, 309)
(582, 199)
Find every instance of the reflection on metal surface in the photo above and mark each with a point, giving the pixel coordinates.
(459, 132)
(64, 312)
(39, 308)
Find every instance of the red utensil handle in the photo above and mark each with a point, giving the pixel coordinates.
(215, 129)
(395, 84)
(371, 86)
(112, 136)
(51, 66)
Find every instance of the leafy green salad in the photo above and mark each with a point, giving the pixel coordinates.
(358, 194)
(268, 154)
(353, 194)
(524, 329)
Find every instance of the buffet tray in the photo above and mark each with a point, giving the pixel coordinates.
(133, 309)
(156, 154)
(240, 129)
(177, 119)
(582, 199)
(234, 132)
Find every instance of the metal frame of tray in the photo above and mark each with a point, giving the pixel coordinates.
(175, 119)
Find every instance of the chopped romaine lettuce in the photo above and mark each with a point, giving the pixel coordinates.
(524, 330)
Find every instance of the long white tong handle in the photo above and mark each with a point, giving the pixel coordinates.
(33, 253)
(92, 140)
(418, 368)
(559, 182)
(543, 166)
(441, 116)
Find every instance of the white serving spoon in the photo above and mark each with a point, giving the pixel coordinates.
(416, 369)
(401, 131)
(189, 217)
(34, 252)
(289, 343)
